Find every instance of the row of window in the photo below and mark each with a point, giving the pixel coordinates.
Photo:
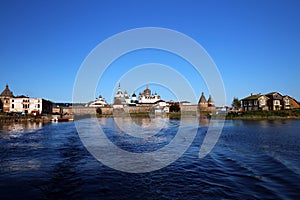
(263, 102)
(24, 100)
(26, 106)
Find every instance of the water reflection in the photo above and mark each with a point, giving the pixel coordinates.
(262, 123)
(252, 159)
(140, 127)
(203, 122)
(8, 130)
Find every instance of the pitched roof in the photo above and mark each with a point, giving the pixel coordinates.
(252, 97)
(6, 92)
(210, 100)
(202, 98)
(272, 93)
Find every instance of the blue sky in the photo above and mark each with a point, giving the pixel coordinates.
(255, 44)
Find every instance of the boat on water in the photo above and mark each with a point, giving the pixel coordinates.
(60, 119)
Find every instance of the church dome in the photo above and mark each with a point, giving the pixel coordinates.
(6, 92)
(147, 91)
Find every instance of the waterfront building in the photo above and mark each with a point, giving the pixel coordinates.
(255, 102)
(270, 101)
(119, 99)
(210, 102)
(275, 101)
(99, 102)
(290, 103)
(133, 100)
(24, 104)
(126, 97)
(206, 105)
(123, 99)
(202, 101)
(5, 98)
(147, 98)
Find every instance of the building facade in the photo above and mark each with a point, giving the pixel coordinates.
(146, 97)
(275, 101)
(5, 99)
(255, 102)
(270, 101)
(99, 102)
(24, 104)
(206, 105)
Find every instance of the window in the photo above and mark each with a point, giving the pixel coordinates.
(287, 102)
(12, 100)
(12, 105)
(38, 105)
(255, 102)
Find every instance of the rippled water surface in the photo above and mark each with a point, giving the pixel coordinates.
(252, 160)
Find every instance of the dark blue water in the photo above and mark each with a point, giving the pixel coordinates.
(252, 160)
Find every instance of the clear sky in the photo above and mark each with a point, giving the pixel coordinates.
(255, 44)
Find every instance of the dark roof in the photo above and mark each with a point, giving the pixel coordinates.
(202, 98)
(252, 97)
(210, 100)
(21, 96)
(6, 92)
(272, 93)
(185, 102)
(159, 101)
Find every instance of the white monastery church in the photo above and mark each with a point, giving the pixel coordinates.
(145, 97)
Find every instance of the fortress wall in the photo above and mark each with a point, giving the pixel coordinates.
(138, 109)
(108, 110)
(189, 108)
(80, 110)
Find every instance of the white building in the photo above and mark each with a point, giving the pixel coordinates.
(119, 99)
(147, 98)
(127, 97)
(160, 107)
(99, 102)
(26, 105)
(122, 99)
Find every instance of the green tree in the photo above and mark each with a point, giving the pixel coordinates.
(175, 108)
(236, 103)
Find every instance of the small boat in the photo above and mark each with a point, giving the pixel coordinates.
(58, 119)
(62, 119)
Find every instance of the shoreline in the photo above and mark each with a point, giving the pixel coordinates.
(177, 115)
(21, 119)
